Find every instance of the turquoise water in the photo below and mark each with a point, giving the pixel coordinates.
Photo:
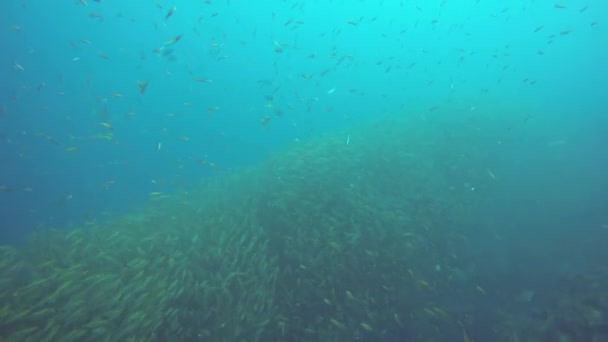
(106, 107)
(378, 57)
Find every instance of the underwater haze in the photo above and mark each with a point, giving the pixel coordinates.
(310, 170)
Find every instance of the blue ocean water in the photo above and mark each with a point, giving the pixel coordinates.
(106, 106)
(306, 66)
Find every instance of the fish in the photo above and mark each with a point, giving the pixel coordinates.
(424, 283)
(465, 336)
(103, 55)
(50, 139)
(105, 185)
(559, 6)
(93, 15)
(265, 120)
(170, 13)
(107, 125)
(337, 323)
(142, 85)
(366, 326)
(64, 199)
(491, 174)
(397, 319)
(173, 40)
